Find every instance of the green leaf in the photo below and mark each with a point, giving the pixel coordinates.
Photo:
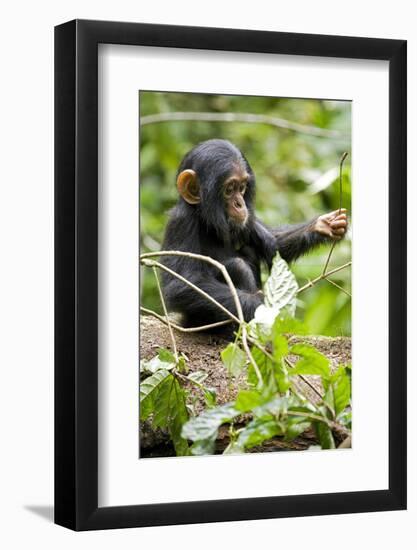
(166, 355)
(342, 391)
(210, 397)
(204, 426)
(178, 417)
(257, 431)
(280, 289)
(305, 407)
(197, 377)
(324, 435)
(155, 364)
(203, 447)
(280, 298)
(164, 402)
(312, 362)
(259, 331)
(182, 365)
(234, 359)
(146, 408)
(148, 390)
(170, 412)
(288, 325)
(233, 449)
(329, 401)
(203, 429)
(345, 418)
(273, 408)
(265, 366)
(296, 425)
(281, 376)
(247, 400)
(279, 346)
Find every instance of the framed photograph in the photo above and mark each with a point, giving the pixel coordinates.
(230, 255)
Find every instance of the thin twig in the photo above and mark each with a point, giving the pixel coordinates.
(338, 286)
(323, 276)
(151, 263)
(260, 347)
(183, 329)
(174, 344)
(310, 385)
(240, 319)
(304, 379)
(242, 117)
(326, 265)
(249, 354)
(331, 423)
(267, 354)
(342, 160)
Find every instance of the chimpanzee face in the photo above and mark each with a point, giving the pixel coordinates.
(218, 182)
(216, 177)
(233, 190)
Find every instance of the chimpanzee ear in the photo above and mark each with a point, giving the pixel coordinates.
(188, 186)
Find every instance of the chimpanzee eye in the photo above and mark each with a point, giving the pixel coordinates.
(229, 189)
(242, 188)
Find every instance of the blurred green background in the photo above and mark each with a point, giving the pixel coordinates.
(296, 173)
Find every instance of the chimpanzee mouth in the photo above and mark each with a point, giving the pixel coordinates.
(238, 221)
(238, 215)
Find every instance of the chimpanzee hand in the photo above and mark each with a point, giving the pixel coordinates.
(332, 225)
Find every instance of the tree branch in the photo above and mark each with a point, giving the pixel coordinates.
(243, 117)
(152, 263)
(338, 286)
(323, 276)
(174, 344)
(144, 258)
(342, 160)
(183, 329)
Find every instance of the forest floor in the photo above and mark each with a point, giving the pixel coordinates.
(203, 353)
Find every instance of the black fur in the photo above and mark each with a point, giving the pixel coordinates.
(205, 229)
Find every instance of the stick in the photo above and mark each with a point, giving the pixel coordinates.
(152, 263)
(342, 160)
(240, 319)
(183, 329)
(174, 344)
(242, 117)
(338, 286)
(323, 276)
(305, 380)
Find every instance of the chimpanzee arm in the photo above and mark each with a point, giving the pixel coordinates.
(295, 240)
(241, 273)
(198, 310)
(221, 292)
(291, 241)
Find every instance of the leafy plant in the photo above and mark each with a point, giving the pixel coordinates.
(280, 295)
(276, 408)
(163, 398)
(268, 403)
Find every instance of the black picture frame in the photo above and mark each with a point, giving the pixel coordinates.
(76, 272)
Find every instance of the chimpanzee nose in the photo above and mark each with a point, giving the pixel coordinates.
(238, 203)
